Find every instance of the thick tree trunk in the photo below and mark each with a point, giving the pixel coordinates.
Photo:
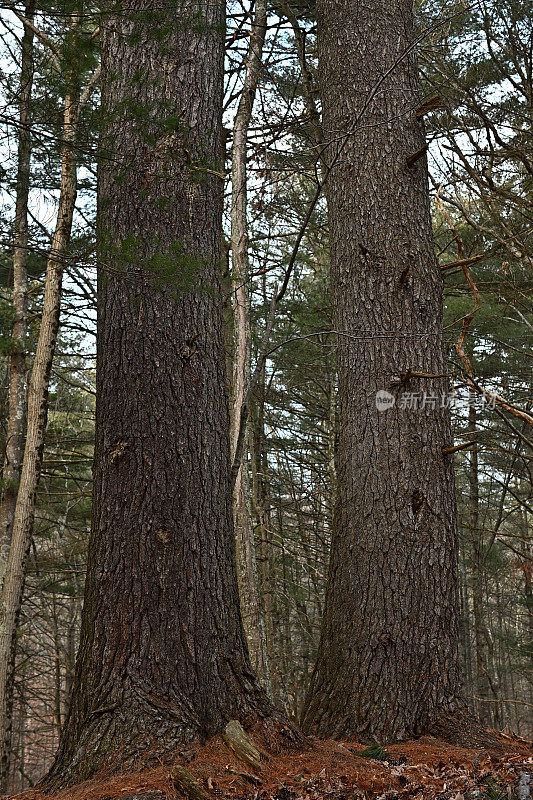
(387, 665)
(17, 366)
(251, 608)
(162, 658)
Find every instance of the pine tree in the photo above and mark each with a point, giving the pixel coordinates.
(387, 664)
(162, 658)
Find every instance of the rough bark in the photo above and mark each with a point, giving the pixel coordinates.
(17, 363)
(387, 665)
(37, 409)
(251, 607)
(162, 657)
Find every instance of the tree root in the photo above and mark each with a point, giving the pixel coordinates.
(463, 729)
(185, 782)
(239, 741)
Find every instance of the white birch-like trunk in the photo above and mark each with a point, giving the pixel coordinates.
(250, 601)
(11, 594)
(17, 366)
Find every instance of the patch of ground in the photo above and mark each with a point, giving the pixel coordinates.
(426, 768)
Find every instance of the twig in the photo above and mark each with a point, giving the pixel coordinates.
(91, 84)
(429, 105)
(447, 450)
(56, 53)
(465, 262)
(417, 155)
(498, 399)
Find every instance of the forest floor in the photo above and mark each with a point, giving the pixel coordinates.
(426, 768)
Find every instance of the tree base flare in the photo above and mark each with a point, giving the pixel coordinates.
(160, 739)
(464, 730)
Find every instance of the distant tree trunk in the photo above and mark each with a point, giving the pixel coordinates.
(332, 445)
(261, 508)
(477, 555)
(162, 657)
(22, 732)
(251, 608)
(70, 656)
(527, 566)
(11, 594)
(17, 367)
(387, 665)
(58, 673)
(465, 627)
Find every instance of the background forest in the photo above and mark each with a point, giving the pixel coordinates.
(477, 71)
